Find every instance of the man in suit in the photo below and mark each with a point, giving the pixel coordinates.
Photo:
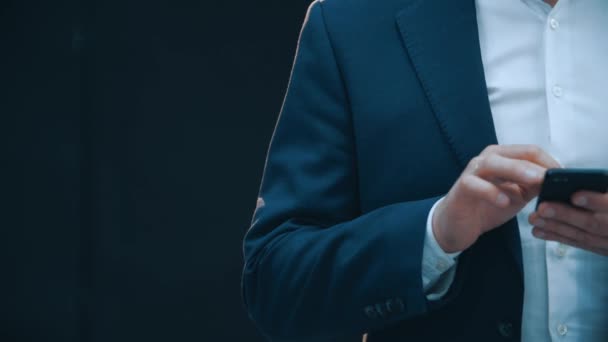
(397, 198)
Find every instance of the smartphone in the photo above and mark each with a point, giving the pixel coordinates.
(561, 184)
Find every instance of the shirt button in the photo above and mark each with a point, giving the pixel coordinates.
(561, 250)
(557, 91)
(554, 23)
(562, 329)
(442, 265)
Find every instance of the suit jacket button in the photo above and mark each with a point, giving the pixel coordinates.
(381, 309)
(505, 329)
(370, 312)
(394, 305)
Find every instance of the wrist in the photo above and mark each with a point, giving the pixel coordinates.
(447, 244)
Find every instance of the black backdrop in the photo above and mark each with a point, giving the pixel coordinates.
(133, 140)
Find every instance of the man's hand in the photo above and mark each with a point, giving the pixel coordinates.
(494, 187)
(584, 225)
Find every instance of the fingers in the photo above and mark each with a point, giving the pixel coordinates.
(582, 219)
(563, 229)
(511, 189)
(573, 226)
(521, 167)
(568, 234)
(593, 201)
(494, 167)
(531, 153)
(551, 236)
(523, 193)
(482, 189)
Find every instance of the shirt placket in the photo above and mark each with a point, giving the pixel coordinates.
(560, 262)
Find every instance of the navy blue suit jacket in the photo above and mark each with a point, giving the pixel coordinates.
(386, 105)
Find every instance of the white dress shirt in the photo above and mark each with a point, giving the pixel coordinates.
(547, 76)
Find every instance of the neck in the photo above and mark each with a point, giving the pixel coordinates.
(551, 2)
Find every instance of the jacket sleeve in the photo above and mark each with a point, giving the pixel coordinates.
(315, 266)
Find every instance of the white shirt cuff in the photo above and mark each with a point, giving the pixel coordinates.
(438, 267)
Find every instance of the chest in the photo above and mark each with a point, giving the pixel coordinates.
(547, 77)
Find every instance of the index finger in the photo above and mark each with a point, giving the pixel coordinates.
(531, 153)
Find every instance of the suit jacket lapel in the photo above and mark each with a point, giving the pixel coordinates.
(442, 41)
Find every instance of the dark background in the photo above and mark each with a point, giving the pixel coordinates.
(133, 140)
